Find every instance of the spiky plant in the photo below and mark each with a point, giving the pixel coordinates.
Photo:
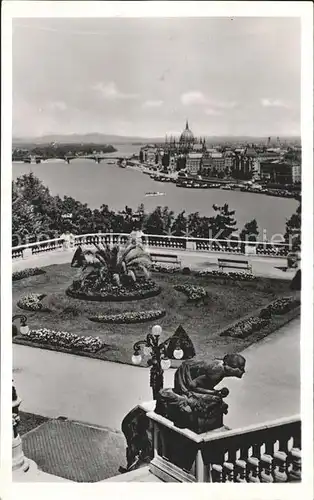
(114, 262)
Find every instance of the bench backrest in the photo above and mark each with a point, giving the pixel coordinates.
(231, 261)
(163, 256)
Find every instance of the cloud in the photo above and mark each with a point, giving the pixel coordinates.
(193, 97)
(196, 97)
(152, 103)
(110, 92)
(212, 112)
(226, 104)
(273, 103)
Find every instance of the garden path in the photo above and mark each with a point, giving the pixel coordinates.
(270, 267)
(101, 393)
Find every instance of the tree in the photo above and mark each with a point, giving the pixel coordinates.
(167, 219)
(154, 222)
(179, 225)
(113, 263)
(250, 231)
(223, 224)
(25, 223)
(194, 224)
(293, 228)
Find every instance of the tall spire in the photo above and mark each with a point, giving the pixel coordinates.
(187, 125)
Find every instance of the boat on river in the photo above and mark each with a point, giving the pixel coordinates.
(155, 193)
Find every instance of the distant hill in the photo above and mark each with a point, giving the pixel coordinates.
(93, 138)
(96, 138)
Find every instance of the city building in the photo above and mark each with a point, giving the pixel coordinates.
(213, 164)
(277, 171)
(193, 163)
(229, 160)
(149, 154)
(186, 139)
(296, 174)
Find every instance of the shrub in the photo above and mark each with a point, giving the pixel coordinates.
(186, 270)
(129, 317)
(193, 292)
(32, 302)
(25, 273)
(141, 289)
(162, 268)
(233, 275)
(245, 327)
(281, 306)
(265, 313)
(65, 339)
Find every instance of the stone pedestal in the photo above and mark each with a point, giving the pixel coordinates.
(178, 453)
(191, 245)
(250, 250)
(20, 464)
(27, 253)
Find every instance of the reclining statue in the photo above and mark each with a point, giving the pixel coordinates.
(194, 403)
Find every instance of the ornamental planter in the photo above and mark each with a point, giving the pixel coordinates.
(181, 339)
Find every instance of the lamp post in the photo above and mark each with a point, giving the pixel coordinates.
(158, 360)
(24, 328)
(20, 463)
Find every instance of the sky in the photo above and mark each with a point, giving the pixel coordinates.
(145, 77)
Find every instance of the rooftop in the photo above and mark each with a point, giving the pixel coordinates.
(195, 155)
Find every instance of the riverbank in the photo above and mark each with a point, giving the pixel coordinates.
(97, 184)
(199, 182)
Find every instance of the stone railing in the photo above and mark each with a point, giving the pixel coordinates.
(264, 453)
(25, 251)
(156, 241)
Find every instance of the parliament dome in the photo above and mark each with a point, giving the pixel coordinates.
(187, 136)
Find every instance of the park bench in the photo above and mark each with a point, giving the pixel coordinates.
(234, 264)
(165, 258)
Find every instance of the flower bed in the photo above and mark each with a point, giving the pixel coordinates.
(32, 302)
(280, 306)
(129, 317)
(245, 327)
(193, 292)
(233, 275)
(65, 339)
(162, 268)
(141, 289)
(25, 273)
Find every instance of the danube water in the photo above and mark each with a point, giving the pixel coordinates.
(106, 183)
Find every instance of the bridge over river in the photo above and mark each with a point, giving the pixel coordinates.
(68, 158)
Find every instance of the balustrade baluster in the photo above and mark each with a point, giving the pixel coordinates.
(295, 468)
(253, 466)
(266, 468)
(228, 472)
(216, 473)
(240, 471)
(280, 467)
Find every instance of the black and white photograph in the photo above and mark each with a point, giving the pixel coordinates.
(156, 178)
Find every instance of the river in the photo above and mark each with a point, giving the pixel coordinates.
(104, 183)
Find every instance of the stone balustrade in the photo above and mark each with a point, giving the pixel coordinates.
(267, 453)
(156, 241)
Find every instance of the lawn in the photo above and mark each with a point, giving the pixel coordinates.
(228, 302)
